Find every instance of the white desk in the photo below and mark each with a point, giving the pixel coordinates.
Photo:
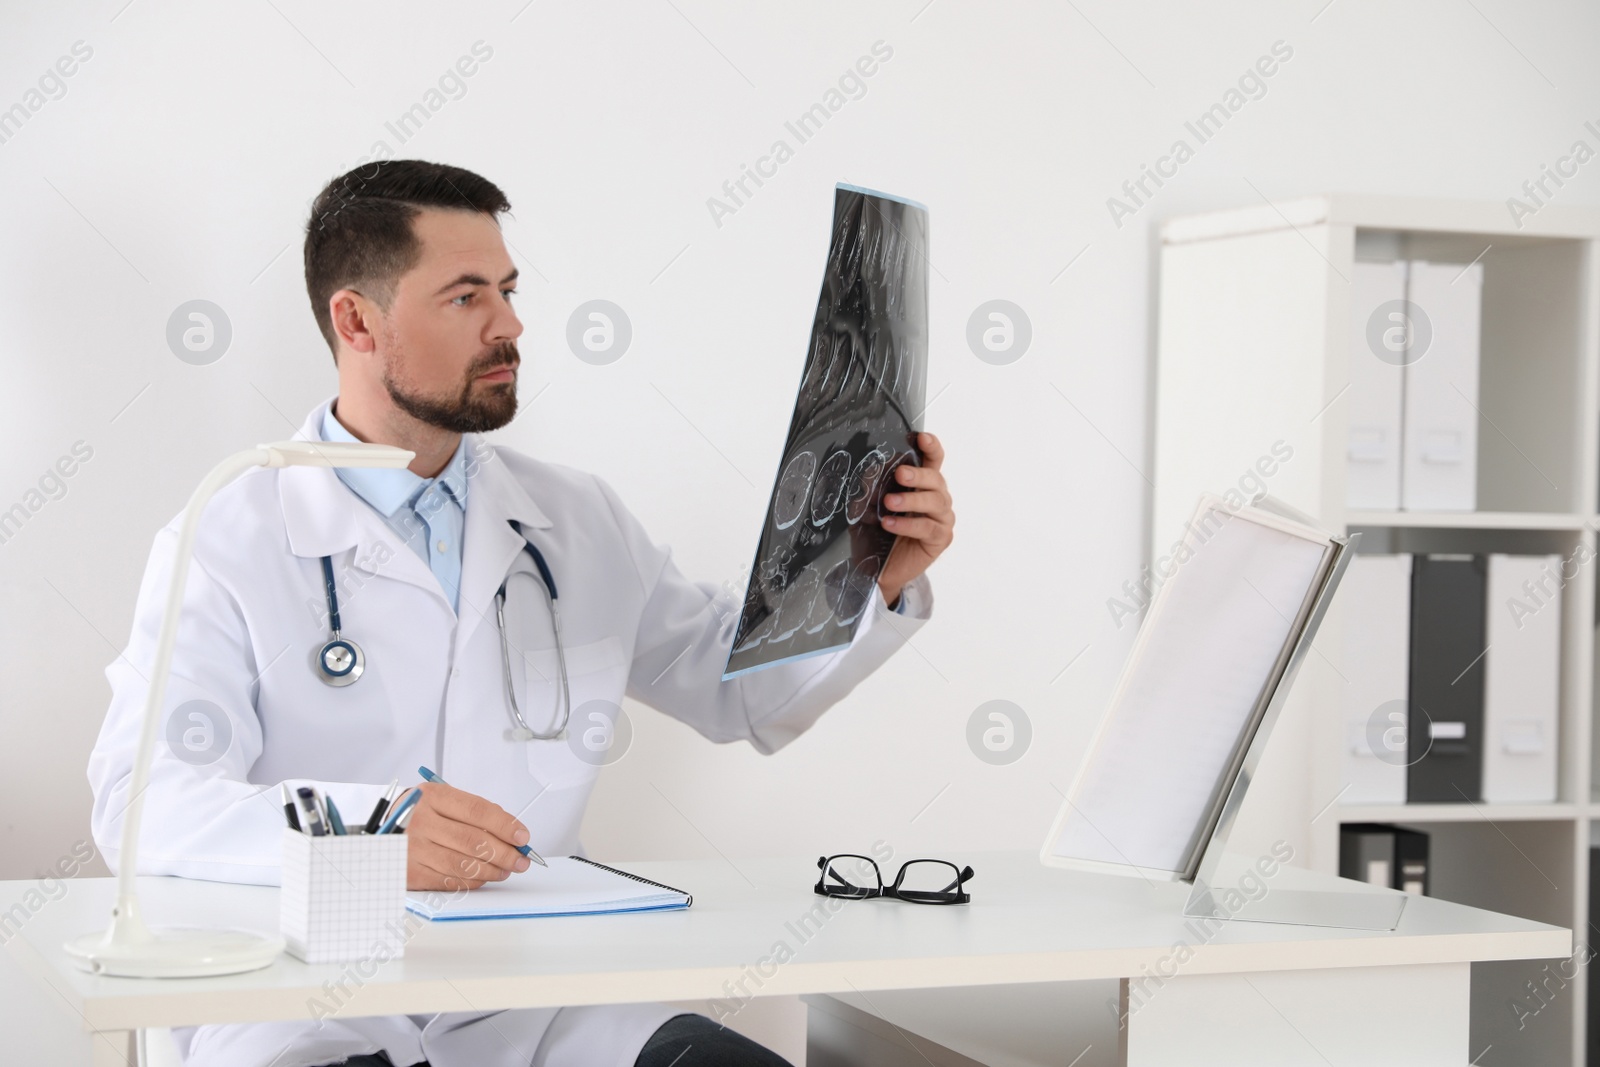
(1349, 996)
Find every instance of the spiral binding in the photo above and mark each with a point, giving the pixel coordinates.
(688, 897)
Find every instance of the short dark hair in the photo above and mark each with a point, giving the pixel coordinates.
(359, 232)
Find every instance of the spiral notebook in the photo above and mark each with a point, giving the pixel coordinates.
(571, 885)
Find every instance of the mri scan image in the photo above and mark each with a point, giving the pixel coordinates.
(794, 486)
(863, 482)
(855, 421)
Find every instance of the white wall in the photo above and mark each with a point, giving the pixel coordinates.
(182, 157)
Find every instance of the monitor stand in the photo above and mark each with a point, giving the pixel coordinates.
(1234, 891)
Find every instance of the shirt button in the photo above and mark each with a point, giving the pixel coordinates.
(441, 546)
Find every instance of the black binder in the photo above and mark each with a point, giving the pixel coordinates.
(1380, 854)
(1594, 986)
(1444, 732)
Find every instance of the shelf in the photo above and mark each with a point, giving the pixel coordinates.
(1470, 520)
(1402, 214)
(1458, 812)
(1238, 294)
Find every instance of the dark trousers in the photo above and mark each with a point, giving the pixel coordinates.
(682, 1041)
(696, 1041)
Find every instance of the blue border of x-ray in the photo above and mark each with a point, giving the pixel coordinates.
(881, 195)
(789, 659)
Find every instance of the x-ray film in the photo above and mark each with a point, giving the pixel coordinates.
(856, 418)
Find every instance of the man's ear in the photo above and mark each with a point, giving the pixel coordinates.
(355, 319)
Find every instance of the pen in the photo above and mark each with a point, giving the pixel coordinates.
(308, 803)
(526, 850)
(398, 810)
(375, 820)
(288, 808)
(404, 820)
(333, 818)
(322, 809)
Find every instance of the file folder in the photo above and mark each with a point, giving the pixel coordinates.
(1445, 732)
(1376, 605)
(1522, 682)
(1440, 452)
(1390, 856)
(1376, 370)
(1594, 987)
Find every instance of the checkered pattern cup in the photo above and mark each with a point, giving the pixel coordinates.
(342, 894)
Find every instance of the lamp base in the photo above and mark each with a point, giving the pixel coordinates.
(175, 952)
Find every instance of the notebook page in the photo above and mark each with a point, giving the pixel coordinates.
(566, 887)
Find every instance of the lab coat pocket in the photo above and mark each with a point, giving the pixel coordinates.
(597, 675)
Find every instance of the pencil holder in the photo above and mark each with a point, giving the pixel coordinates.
(343, 896)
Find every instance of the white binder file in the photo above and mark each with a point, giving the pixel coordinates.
(1377, 354)
(1376, 603)
(1439, 466)
(1521, 697)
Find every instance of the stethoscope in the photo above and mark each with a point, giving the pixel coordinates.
(522, 731)
(340, 661)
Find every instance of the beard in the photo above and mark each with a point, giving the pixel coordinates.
(477, 408)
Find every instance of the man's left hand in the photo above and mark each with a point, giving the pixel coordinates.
(929, 524)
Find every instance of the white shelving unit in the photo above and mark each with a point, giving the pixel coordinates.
(1254, 344)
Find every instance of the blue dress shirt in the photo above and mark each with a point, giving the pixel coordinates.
(428, 514)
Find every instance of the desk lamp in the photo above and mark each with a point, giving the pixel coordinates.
(127, 947)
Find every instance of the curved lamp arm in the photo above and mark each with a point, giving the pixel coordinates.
(127, 928)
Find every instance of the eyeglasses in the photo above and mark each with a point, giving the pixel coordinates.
(919, 881)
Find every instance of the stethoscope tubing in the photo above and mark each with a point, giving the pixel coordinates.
(340, 661)
(340, 649)
(522, 731)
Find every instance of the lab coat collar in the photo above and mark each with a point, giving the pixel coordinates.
(322, 517)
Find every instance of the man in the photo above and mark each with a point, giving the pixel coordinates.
(412, 287)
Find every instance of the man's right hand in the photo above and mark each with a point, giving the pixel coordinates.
(457, 840)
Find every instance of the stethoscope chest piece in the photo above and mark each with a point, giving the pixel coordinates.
(340, 661)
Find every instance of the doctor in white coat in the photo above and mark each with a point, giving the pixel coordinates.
(411, 285)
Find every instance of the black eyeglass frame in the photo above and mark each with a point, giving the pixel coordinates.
(910, 896)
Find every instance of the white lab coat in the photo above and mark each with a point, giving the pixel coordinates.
(255, 611)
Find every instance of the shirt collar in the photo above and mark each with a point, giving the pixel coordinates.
(386, 489)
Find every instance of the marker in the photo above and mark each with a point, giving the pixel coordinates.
(526, 850)
(376, 818)
(288, 808)
(308, 804)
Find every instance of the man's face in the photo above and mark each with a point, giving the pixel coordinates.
(448, 344)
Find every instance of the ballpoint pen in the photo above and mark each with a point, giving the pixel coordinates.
(322, 808)
(334, 819)
(398, 810)
(375, 820)
(288, 807)
(308, 804)
(526, 850)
